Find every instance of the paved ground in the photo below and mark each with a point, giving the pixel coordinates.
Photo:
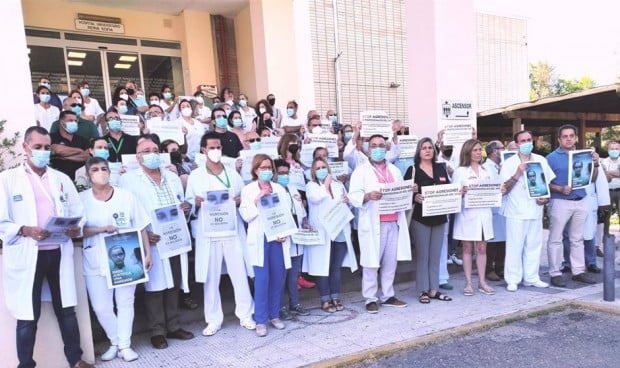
(327, 340)
(574, 337)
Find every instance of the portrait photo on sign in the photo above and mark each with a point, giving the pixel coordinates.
(269, 201)
(125, 259)
(219, 213)
(537, 186)
(217, 197)
(167, 214)
(579, 168)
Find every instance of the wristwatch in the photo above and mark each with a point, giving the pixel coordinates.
(20, 232)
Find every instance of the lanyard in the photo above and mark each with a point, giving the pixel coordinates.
(116, 148)
(386, 176)
(227, 183)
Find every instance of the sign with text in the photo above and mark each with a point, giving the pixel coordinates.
(484, 194)
(441, 199)
(96, 26)
(396, 197)
(131, 124)
(407, 145)
(457, 110)
(166, 129)
(376, 122)
(456, 133)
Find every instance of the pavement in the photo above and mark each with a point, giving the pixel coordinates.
(339, 339)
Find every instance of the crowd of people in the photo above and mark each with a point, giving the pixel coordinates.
(221, 169)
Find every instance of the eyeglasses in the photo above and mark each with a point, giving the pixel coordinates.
(252, 140)
(75, 105)
(220, 116)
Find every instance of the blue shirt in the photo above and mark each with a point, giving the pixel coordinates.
(558, 161)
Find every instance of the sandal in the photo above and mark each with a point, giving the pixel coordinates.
(337, 304)
(328, 307)
(424, 298)
(440, 296)
(469, 290)
(486, 290)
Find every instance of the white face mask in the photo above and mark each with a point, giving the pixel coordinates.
(124, 97)
(262, 110)
(100, 177)
(78, 100)
(200, 100)
(215, 155)
(186, 111)
(317, 130)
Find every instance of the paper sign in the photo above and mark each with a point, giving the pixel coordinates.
(376, 122)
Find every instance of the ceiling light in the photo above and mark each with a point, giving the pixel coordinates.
(75, 54)
(127, 58)
(75, 62)
(122, 66)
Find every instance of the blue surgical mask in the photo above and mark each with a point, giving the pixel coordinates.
(167, 95)
(333, 118)
(77, 110)
(40, 158)
(102, 152)
(377, 154)
(45, 98)
(85, 92)
(243, 103)
(365, 146)
(348, 136)
(255, 146)
(71, 127)
(290, 112)
(114, 125)
(221, 122)
(283, 180)
(151, 160)
(237, 123)
(526, 148)
(614, 153)
(265, 175)
(140, 101)
(321, 174)
(122, 109)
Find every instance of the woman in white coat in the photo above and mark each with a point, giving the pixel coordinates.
(473, 225)
(108, 210)
(269, 258)
(325, 261)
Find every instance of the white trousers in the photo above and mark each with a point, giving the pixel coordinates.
(523, 246)
(117, 326)
(233, 256)
(387, 260)
(444, 276)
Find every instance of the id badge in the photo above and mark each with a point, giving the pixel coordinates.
(121, 220)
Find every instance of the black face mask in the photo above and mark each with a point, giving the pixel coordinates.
(293, 148)
(272, 101)
(447, 152)
(130, 91)
(269, 124)
(176, 157)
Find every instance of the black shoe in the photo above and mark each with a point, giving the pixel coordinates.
(159, 342)
(565, 269)
(585, 278)
(372, 307)
(558, 281)
(594, 269)
(599, 252)
(180, 334)
(285, 315)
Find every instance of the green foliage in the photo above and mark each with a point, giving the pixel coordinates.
(565, 86)
(7, 148)
(544, 82)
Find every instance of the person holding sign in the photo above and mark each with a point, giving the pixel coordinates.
(428, 232)
(30, 194)
(107, 211)
(269, 258)
(567, 207)
(473, 225)
(385, 237)
(219, 235)
(325, 261)
(156, 188)
(524, 214)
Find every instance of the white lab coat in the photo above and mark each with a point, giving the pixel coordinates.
(297, 249)
(317, 258)
(20, 253)
(597, 194)
(137, 182)
(499, 221)
(198, 183)
(256, 229)
(363, 180)
(471, 223)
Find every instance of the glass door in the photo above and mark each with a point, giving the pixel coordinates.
(85, 66)
(122, 67)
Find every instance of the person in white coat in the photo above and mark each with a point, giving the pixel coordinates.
(325, 261)
(473, 225)
(385, 237)
(155, 188)
(219, 185)
(269, 258)
(108, 210)
(524, 215)
(30, 194)
(496, 250)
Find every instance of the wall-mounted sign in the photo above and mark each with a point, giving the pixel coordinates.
(457, 110)
(97, 23)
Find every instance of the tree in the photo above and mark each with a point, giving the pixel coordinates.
(542, 80)
(565, 86)
(7, 148)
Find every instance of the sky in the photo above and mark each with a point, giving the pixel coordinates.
(578, 37)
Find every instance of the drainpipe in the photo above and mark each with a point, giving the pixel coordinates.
(337, 65)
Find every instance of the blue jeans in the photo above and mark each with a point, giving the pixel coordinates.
(329, 286)
(268, 281)
(589, 250)
(48, 266)
(290, 284)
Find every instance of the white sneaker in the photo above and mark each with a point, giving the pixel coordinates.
(211, 329)
(449, 260)
(512, 287)
(248, 323)
(538, 284)
(110, 353)
(456, 260)
(128, 354)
